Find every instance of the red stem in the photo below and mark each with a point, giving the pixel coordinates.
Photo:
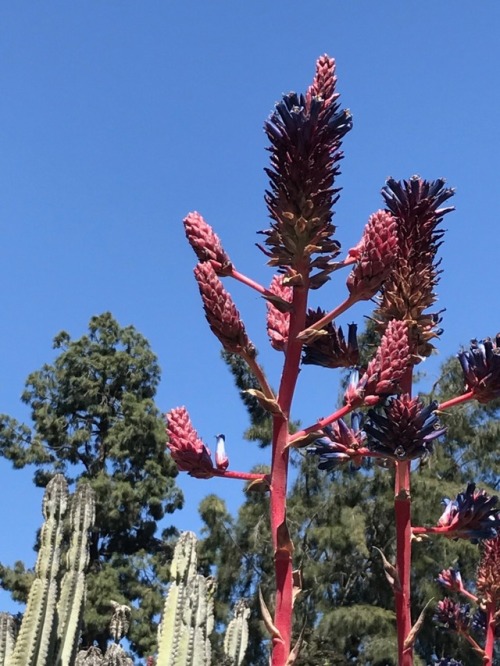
(490, 632)
(324, 321)
(319, 425)
(250, 283)
(282, 543)
(458, 400)
(244, 476)
(402, 509)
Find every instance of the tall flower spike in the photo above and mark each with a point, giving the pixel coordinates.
(305, 133)
(188, 450)
(473, 515)
(405, 431)
(410, 289)
(206, 244)
(278, 322)
(375, 255)
(221, 313)
(385, 370)
(331, 350)
(481, 368)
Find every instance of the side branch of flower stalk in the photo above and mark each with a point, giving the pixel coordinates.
(322, 423)
(313, 331)
(457, 400)
(259, 375)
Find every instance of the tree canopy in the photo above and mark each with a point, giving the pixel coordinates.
(94, 418)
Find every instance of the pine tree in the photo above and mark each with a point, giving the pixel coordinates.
(94, 419)
(339, 519)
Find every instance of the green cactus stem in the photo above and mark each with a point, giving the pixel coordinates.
(8, 631)
(188, 617)
(37, 636)
(51, 624)
(72, 595)
(236, 637)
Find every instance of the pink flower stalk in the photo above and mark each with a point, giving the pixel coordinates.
(187, 449)
(206, 244)
(221, 313)
(278, 322)
(386, 369)
(375, 255)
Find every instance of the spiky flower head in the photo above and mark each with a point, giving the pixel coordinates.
(375, 255)
(473, 515)
(488, 573)
(453, 615)
(206, 244)
(278, 322)
(481, 368)
(187, 449)
(385, 370)
(409, 290)
(451, 579)
(221, 313)
(340, 443)
(305, 133)
(331, 350)
(405, 430)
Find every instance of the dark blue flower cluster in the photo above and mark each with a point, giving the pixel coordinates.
(473, 515)
(453, 615)
(340, 443)
(481, 368)
(405, 431)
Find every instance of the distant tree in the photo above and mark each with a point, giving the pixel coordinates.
(338, 518)
(94, 419)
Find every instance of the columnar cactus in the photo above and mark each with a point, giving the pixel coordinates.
(8, 631)
(50, 628)
(188, 616)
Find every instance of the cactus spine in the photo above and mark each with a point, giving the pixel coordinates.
(49, 631)
(188, 616)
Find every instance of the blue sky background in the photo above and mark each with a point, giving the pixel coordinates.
(117, 117)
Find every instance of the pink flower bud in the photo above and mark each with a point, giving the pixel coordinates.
(278, 322)
(375, 254)
(220, 311)
(206, 244)
(187, 449)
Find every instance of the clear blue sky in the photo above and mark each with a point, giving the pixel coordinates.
(117, 117)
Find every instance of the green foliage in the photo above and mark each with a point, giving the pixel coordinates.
(94, 418)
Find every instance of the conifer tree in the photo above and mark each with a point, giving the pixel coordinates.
(94, 419)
